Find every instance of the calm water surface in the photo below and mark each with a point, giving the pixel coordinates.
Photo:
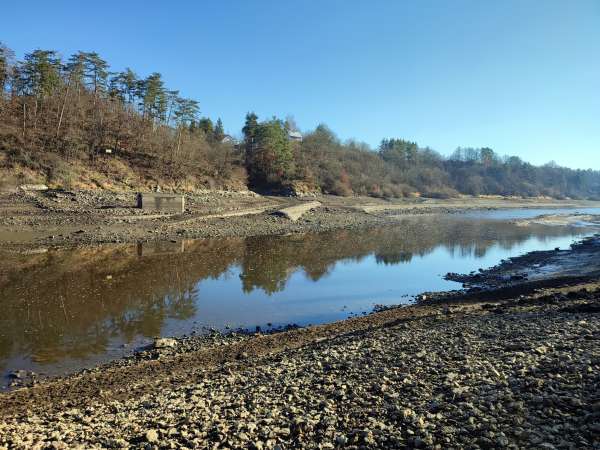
(64, 310)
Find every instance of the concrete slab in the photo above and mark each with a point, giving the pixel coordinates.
(295, 212)
(159, 201)
(33, 187)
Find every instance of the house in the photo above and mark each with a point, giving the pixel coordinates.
(295, 136)
(228, 139)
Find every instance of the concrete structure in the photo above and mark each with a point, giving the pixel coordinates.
(158, 201)
(295, 212)
(33, 187)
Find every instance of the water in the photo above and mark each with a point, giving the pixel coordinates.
(64, 310)
(525, 213)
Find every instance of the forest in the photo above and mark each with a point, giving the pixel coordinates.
(66, 121)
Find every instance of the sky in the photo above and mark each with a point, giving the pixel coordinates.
(519, 76)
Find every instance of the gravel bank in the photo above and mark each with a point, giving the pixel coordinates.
(64, 218)
(520, 374)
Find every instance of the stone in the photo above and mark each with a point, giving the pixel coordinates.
(341, 439)
(151, 436)
(541, 350)
(18, 374)
(161, 343)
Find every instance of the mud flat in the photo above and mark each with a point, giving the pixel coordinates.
(520, 371)
(37, 219)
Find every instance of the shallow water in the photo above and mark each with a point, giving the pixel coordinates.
(64, 310)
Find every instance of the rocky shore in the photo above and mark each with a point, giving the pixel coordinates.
(35, 220)
(510, 374)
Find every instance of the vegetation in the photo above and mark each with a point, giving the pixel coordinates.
(56, 115)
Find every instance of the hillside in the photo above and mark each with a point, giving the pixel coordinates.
(74, 123)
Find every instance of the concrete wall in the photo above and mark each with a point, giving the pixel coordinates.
(158, 201)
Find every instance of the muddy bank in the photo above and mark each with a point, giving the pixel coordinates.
(36, 220)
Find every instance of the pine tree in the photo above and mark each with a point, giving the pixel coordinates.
(39, 73)
(219, 132)
(6, 58)
(206, 126)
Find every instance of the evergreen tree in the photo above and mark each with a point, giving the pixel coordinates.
(270, 160)
(250, 127)
(206, 126)
(6, 58)
(39, 74)
(95, 72)
(219, 132)
(152, 93)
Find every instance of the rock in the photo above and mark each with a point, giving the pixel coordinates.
(151, 436)
(341, 439)
(541, 350)
(18, 374)
(161, 343)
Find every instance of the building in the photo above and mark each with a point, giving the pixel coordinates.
(295, 136)
(228, 139)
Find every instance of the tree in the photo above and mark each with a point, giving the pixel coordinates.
(6, 62)
(124, 85)
(95, 72)
(399, 152)
(75, 69)
(249, 131)
(219, 131)
(250, 127)
(154, 97)
(487, 156)
(39, 73)
(185, 114)
(270, 160)
(185, 111)
(206, 126)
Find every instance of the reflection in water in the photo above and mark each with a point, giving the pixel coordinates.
(77, 305)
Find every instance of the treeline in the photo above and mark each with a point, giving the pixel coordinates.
(57, 113)
(54, 112)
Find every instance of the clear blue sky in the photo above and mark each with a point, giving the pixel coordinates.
(522, 77)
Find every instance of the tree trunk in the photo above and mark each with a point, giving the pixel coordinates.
(24, 118)
(62, 109)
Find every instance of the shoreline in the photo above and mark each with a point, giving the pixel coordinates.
(34, 221)
(146, 387)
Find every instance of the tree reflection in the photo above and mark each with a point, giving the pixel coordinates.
(73, 303)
